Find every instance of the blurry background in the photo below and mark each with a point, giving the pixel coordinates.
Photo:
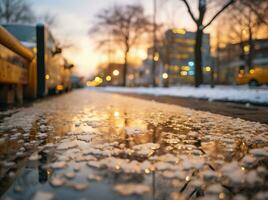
(236, 37)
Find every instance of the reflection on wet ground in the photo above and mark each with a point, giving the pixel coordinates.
(89, 145)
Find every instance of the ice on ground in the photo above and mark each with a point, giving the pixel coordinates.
(259, 153)
(93, 177)
(70, 175)
(131, 189)
(229, 93)
(179, 147)
(57, 181)
(79, 186)
(134, 130)
(86, 138)
(215, 189)
(67, 145)
(252, 178)
(23, 119)
(262, 196)
(44, 196)
(233, 172)
(209, 175)
(249, 161)
(59, 165)
(146, 149)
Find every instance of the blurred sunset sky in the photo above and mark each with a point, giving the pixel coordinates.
(74, 18)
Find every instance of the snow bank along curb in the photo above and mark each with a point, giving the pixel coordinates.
(223, 93)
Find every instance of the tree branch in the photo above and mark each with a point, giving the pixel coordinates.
(189, 10)
(260, 18)
(218, 13)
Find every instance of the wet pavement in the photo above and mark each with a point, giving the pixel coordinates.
(90, 145)
(246, 111)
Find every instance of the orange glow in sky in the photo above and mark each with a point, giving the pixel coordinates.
(74, 19)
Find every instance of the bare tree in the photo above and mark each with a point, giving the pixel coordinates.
(16, 11)
(200, 27)
(254, 15)
(48, 18)
(246, 19)
(259, 8)
(124, 25)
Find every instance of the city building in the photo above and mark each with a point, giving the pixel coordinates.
(112, 74)
(144, 73)
(232, 60)
(175, 58)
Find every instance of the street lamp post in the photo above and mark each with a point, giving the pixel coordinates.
(154, 43)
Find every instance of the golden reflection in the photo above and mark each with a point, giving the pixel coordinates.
(207, 68)
(117, 167)
(116, 72)
(116, 114)
(147, 171)
(165, 76)
(188, 178)
(221, 195)
(108, 78)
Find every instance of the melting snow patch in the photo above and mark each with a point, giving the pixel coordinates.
(57, 181)
(59, 165)
(43, 196)
(67, 145)
(131, 189)
(134, 130)
(259, 153)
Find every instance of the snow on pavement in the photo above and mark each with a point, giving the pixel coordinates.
(226, 93)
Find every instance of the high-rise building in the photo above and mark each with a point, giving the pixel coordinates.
(233, 60)
(175, 55)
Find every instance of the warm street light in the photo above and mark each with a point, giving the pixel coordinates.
(165, 76)
(251, 71)
(108, 78)
(98, 80)
(156, 57)
(185, 68)
(179, 31)
(131, 76)
(183, 73)
(246, 48)
(207, 68)
(116, 72)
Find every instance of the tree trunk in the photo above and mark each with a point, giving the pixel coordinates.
(154, 47)
(251, 49)
(198, 57)
(125, 67)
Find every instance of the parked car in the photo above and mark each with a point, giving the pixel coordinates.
(255, 77)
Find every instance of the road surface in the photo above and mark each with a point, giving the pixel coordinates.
(90, 145)
(255, 113)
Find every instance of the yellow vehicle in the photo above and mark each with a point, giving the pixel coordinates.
(50, 62)
(256, 76)
(30, 56)
(16, 61)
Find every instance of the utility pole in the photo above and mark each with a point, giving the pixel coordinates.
(154, 43)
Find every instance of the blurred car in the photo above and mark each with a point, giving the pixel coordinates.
(77, 81)
(15, 59)
(52, 74)
(256, 76)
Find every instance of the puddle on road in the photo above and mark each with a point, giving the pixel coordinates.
(110, 147)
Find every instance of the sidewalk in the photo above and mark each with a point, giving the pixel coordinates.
(95, 145)
(255, 113)
(240, 94)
